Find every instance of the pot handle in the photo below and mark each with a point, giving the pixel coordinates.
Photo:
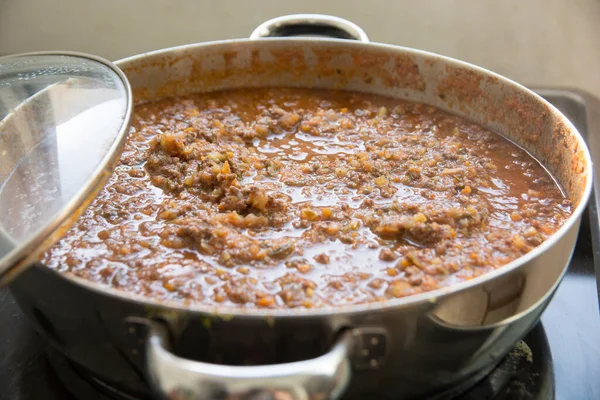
(177, 378)
(310, 25)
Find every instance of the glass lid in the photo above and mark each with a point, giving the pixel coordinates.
(63, 122)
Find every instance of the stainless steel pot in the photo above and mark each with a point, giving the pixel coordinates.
(419, 346)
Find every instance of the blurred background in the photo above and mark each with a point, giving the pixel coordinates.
(535, 42)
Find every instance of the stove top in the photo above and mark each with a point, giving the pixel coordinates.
(559, 358)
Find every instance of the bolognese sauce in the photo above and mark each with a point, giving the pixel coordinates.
(284, 198)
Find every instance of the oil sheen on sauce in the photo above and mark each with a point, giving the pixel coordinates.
(281, 198)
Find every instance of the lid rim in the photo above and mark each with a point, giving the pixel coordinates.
(26, 252)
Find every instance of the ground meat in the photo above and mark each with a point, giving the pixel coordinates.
(387, 254)
(283, 198)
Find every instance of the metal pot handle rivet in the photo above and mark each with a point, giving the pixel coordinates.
(310, 25)
(324, 377)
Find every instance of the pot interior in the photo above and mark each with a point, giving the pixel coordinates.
(453, 86)
(450, 85)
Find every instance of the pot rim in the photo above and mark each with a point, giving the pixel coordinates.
(430, 297)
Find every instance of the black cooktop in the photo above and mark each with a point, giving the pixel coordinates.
(559, 358)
